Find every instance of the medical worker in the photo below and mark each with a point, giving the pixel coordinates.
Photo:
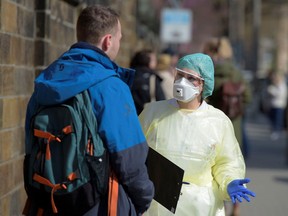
(200, 139)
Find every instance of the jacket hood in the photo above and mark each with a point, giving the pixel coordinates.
(75, 71)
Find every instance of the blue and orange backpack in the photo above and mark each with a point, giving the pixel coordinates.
(66, 165)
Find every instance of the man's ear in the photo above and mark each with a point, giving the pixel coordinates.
(106, 42)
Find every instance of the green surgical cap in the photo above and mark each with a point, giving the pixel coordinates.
(203, 65)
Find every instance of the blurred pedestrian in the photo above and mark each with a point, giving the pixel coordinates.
(277, 90)
(220, 50)
(164, 70)
(173, 54)
(147, 84)
(198, 138)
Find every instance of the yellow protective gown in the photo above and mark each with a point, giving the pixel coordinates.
(202, 142)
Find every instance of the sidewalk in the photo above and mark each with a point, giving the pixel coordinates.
(267, 168)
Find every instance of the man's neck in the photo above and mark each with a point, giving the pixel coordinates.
(86, 45)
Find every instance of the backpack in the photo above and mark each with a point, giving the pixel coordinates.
(231, 99)
(66, 166)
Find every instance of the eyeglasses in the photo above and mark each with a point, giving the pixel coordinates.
(189, 76)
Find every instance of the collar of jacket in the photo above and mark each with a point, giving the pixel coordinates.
(125, 74)
(85, 45)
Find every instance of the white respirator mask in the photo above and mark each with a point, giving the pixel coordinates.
(185, 91)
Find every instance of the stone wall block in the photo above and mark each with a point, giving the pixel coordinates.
(5, 48)
(42, 4)
(15, 198)
(23, 52)
(20, 144)
(40, 23)
(17, 144)
(71, 16)
(8, 80)
(6, 170)
(26, 22)
(10, 112)
(17, 171)
(15, 50)
(6, 145)
(23, 103)
(1, 112)
(56, 9)
(12, 204)
(28, 57)
(62, 11)
(9, 17)
(1, 85)
(39, 53)
(0, 25)
(24, 81)
(55, 33)
(70, 36)
(30, 4)
(5, 205)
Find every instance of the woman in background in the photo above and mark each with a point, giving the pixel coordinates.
(147, 84)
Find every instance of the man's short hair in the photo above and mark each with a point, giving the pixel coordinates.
(94, 22)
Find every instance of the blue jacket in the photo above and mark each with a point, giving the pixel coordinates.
(108, 86)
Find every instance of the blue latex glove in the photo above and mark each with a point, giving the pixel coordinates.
(237, 190)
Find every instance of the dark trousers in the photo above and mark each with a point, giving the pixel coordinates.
(277, 119)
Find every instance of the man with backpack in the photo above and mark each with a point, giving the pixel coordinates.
(85, 82)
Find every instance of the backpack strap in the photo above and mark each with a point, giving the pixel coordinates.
(91, 121)
(54, 187)
(27, 207)
(50, 137)
(40, 212)
(113, 195)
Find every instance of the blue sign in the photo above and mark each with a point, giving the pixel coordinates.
(176, 25)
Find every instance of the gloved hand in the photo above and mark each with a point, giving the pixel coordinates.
(237, 190)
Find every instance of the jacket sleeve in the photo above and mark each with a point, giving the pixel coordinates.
(120, 129)
(229, 162)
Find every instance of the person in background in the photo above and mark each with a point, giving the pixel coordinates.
(147, 84)
(277, 90)
(173, 54)
(199, 139)
(99, 36)
(164, 70)
(220, 50)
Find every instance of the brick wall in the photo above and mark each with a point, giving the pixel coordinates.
(55, 30)
(32, 35)
(17, 33)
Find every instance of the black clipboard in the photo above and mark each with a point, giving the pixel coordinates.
(167, 178)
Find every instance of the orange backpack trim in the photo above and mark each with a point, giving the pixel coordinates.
(113, 195)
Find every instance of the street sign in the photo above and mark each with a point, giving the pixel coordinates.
(176, 25)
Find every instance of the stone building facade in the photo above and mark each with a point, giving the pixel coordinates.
(33, 33)
(17, 69)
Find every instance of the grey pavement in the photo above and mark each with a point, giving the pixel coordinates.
(267, 167)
